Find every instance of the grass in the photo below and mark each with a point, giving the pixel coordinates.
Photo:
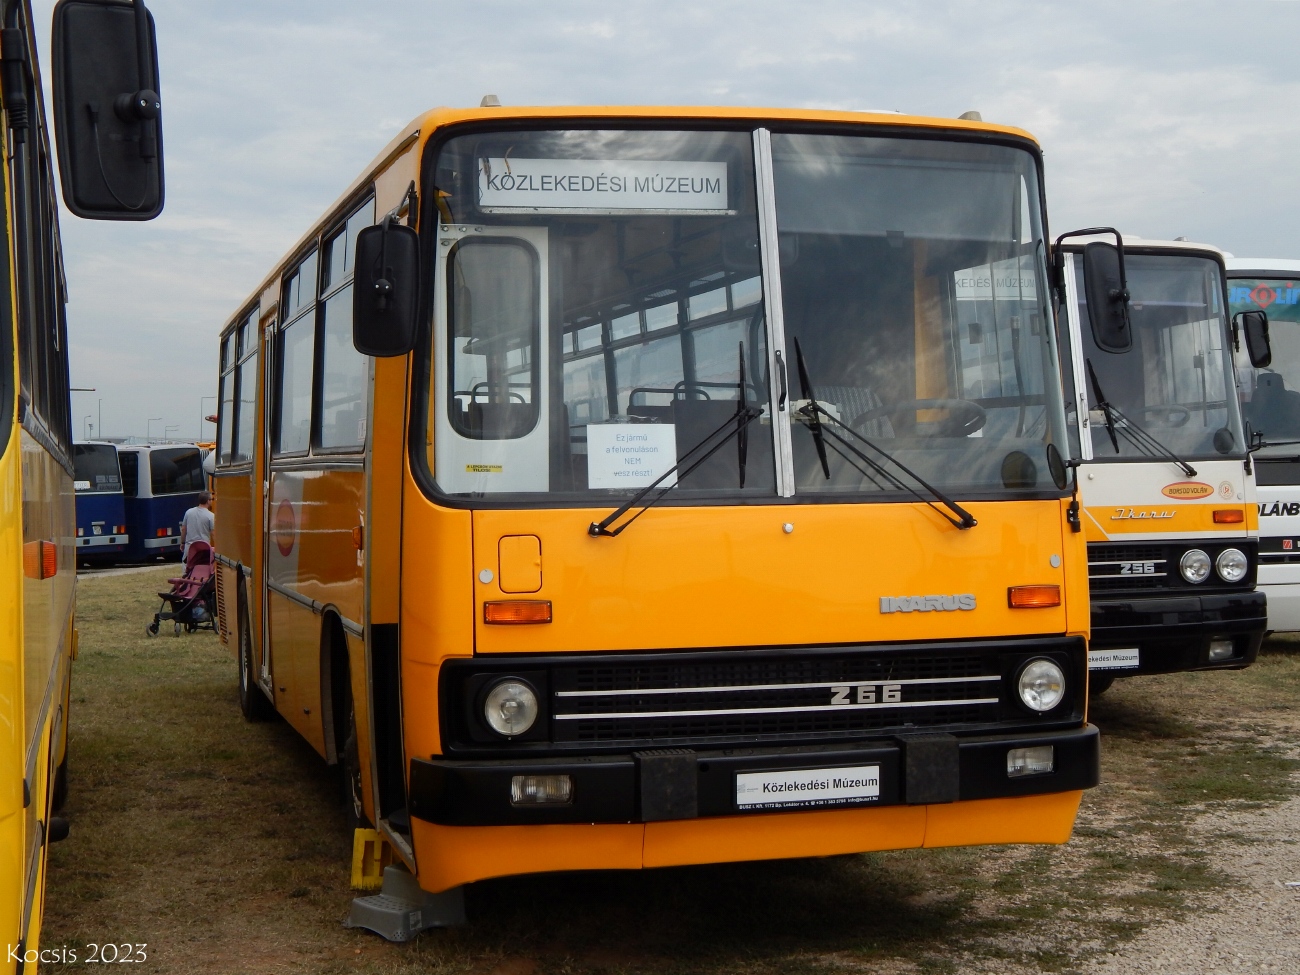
(221, 845)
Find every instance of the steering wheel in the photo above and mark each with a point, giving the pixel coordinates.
(1172, 415)
(964, 417)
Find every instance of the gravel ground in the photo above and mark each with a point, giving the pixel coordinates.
(1253, 926)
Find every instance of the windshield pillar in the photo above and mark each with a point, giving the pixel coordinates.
(778, 373)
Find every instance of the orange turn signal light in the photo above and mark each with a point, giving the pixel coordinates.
(1033, 597)
(1229, 516)
(40, 560)
(517, 611)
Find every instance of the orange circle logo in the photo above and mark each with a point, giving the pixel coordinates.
(1187, 490)
(286, 528)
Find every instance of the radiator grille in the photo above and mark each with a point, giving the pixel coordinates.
(1107, 567)
(772, 697)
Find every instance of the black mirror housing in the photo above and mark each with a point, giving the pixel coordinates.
(107, 112)
(1259, 347)
(1107, 293)
(386, 290)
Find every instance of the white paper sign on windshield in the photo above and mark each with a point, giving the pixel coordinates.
(602, 185)
(630, 455)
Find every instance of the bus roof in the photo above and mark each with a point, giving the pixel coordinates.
(1137, 244)
(419, 131)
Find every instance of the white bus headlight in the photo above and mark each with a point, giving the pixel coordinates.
(510, 708)
(1042, 685)
(1232, 565)
(1194, 565)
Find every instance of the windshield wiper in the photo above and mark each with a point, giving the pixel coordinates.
(812, 415)
(1141, 441)
(739, 423)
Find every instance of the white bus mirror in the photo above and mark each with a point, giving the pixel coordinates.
(107, 109)
(386, 290)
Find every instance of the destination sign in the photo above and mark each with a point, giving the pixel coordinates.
(602, 185)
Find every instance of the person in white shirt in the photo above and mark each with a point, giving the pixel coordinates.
(197, 524)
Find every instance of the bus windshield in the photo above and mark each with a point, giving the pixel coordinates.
(175, 470)
(1176, 382)
(600, 314)
(1272, 394)
(96, 469)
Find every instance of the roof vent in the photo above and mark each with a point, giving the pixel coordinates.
(971, 116)
(1180, 238)
(490, 101)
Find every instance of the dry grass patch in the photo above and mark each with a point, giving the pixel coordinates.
(222, 845)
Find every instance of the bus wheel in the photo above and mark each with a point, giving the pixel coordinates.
(252, 702)
(1099, 684)
(353, 810)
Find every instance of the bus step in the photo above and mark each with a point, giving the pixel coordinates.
(371, 853)
(402, 910)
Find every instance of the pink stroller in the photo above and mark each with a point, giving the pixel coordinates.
(192, 602)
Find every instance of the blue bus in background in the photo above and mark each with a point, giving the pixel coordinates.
(102, 534)
(160, 483)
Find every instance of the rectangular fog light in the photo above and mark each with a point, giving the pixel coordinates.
(535, 790)
(1221, 650)
(1038, 760)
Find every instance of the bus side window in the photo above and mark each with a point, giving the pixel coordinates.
(295, 361)
(343, 403)
(129, 461)
(242, 449)
(226, 412)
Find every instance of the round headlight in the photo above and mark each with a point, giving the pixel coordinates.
(1042, 685)
(1194, 565)
(1232, 565)
(510, 708)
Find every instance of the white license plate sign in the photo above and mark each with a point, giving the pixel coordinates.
(807, 787)
(1113, 659)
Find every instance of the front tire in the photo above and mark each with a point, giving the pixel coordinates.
(1099, 684)
(252, 702)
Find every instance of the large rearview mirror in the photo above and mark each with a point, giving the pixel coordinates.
(1107, 293)
(1258, 345)
(386, 290)
(107, 113)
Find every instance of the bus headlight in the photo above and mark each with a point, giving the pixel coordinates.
(1042, 685)
(510, 708)
(1231, 565)
(1194, 565)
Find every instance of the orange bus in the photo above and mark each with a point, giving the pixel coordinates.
(628, 487)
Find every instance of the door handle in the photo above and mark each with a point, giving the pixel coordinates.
(780, 371)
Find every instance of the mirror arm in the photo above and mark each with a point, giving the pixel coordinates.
(1122, 294)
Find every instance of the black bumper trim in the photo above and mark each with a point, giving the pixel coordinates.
(1173, 633)
(609, 788)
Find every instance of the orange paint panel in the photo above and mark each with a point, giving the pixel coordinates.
(1028, 819)
(295, 662)
(452, 855)
(1173, 516)
(735, 578)
(774, 836)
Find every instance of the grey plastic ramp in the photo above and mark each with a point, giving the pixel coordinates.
(401, 910)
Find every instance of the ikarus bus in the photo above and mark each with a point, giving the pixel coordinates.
(1165, 478)
(1271, 393)
(627, 487)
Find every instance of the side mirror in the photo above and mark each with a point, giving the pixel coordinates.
(107, 110)
(1107, 291)
(1258, 345)
(386, 290)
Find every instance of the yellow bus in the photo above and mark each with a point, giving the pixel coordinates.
(102, 49)
(698, 497)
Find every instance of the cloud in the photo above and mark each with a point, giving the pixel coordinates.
(1157, 117)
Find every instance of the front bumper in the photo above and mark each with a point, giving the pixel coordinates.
(682, 784)
(1283, 605)
(1173, 633)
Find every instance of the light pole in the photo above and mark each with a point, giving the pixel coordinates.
(203, 416)
(101, 416)
(148, 427)
(84, 421)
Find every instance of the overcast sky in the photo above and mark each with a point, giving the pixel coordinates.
(1166, 119)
